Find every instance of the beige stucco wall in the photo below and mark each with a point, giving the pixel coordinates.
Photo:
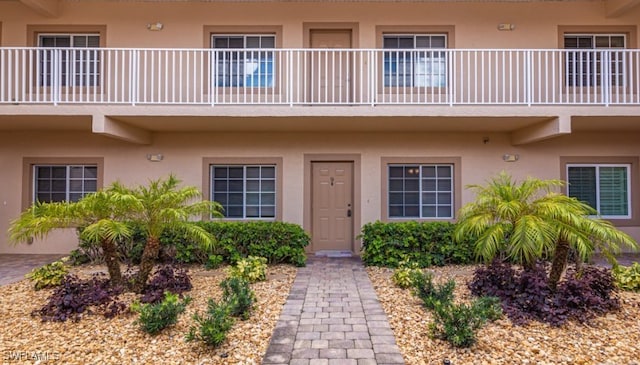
(183, 154)
(475, 23)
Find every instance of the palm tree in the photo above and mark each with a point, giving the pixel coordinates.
(101, 215)
(527, 220)
(165, 206)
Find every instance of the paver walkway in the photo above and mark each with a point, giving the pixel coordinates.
(13, 267)
(332, 317)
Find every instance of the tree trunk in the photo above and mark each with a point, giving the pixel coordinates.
(149, 255)
(109, 251)
(559, 263)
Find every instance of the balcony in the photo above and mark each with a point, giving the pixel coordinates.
(447, 77)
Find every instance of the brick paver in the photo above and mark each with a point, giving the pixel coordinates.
(13, 267)
(332, 316)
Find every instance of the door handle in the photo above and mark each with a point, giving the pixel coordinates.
(348, 212)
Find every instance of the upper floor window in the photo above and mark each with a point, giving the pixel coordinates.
(605, 187)
(415, 60)
(77, 63)
(586, 64)
(421, 191)
(244, 63)
(57, 183)
(245, 191)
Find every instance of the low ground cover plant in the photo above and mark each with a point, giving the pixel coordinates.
(74, 298)
(525, 294)
(459, 323)
(166, 278)
(251, 269)
(627, 278)
(49, 275)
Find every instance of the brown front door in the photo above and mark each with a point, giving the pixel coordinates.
(330, 69)
(332, 206)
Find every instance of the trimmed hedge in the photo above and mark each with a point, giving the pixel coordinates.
(278, 242)
(423, 244)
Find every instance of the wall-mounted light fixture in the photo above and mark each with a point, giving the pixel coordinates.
(155, 157)
(506, 26)
(155, 26)
(510, 158)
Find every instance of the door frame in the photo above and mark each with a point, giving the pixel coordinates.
(308, 191)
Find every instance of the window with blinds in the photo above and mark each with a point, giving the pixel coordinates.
(415, 60)
(69, 59)
(245, 60)
(605, 187)
(585, 64)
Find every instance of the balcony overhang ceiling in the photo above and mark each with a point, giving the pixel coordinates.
(614, 8)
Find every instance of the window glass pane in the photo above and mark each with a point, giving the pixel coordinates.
(396, 211)
(253, 172)
(412, 185)
(444, 185)
(234, 212)
(582, 184)
(58, 197)
(411, 198)
(268, 211)
(613, 191)
(412, 211)
(268, 42)
(58, 185)
(253, 211)
(428, 198)
(236, 172)
(59, 172)
(253, 198)
(444, 212)
(75, 185)
(396, 198)
(220, 185)
(444, 171)
(268, 198)
(253, 185)
(236, 185)
(438, 42)
(428, 185)
(269, 172)
(429, 211)
(220, 198)
(396, 185)
(269, 185)
(90, 172)
(396, 171)
(235, 198)
(444, 198)
(220, 172)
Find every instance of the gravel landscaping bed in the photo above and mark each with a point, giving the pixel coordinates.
(96, 340)
(611, 339)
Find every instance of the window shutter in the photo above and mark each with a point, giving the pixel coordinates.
(613, 191)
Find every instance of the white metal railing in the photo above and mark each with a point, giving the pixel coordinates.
(319, 76)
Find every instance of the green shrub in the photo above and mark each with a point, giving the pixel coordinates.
(423, 243)
(627, 278)
(404, 276)
(278, 242)
(251, 269)
(456, 324)
(48, 275)
(238, 296)
(214, 262)
(433, 295)
(157, 316)
(211, 328)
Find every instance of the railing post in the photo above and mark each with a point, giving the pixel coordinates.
(452, 75)
(529, 78)
(290, 76)
(605, 77)
(55, 77)
(134, 76)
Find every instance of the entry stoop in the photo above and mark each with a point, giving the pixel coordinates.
(334, 253)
